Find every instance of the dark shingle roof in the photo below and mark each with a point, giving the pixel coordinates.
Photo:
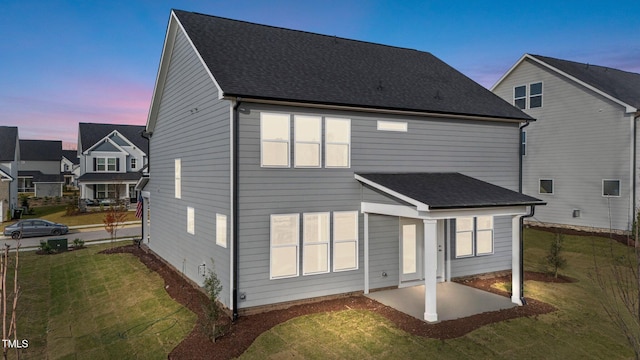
(91, 133)
(450, 190)
(8, 141)
(259, 61)
(38, 176)
(71, 155)
(88, 177)
(41, 150)
(622, 85)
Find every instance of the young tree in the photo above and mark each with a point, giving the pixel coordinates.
(212, 288)
(554, 257)
(114, 220)
(6, 295)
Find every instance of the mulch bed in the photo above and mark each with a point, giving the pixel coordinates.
(241, 334)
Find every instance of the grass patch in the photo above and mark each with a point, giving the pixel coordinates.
(84, 305)
(579, 329)
(58, 214)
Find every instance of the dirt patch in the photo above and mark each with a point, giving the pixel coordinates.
(246, 329)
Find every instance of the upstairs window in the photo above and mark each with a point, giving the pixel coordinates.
(520, 97)
(611, 188)
(337, 142)
(535, 95)
(106, 164)
(274, 140)
(534, 98)
(134, 163)
(546, 186)
(307, 141)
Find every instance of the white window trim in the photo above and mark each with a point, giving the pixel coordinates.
(263, 140)
(106, 164)
(474, 239)
(398, 126)
(619, 188)
(356, 240)
(271, 247)
(178, 178)
(337, 143)
(221, 230)
(326, 242)
(530, 96)
(553, 186)
(296, 142)
(191, 220)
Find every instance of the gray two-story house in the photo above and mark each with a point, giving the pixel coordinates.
(39, 168)
(581, 155)
(111, 158)
(9, 160)
(308, 166)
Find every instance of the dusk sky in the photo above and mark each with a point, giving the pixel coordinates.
(65, 62)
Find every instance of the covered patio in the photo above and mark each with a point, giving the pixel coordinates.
(426, 206)
(454, 301)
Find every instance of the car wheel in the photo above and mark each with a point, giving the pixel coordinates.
(15, 235)
(55, 232)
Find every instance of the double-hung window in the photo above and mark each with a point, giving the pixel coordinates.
(105, 191)
(221, 230)
(134, 163)
(307, 141)
(534, 100)
(345, 240)
(535, 95)
(520, 96)
(337, 142)
(315, 239)
(274, 140)
(284, 245)
(474, 236)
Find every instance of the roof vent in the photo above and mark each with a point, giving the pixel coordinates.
(380, 87)
(437, 96)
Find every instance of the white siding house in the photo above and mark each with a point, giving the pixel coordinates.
(581, 153)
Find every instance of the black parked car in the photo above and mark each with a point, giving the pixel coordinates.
(35, 227)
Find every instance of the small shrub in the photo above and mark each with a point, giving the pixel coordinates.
(554, 257)
(212, 288)
(78, 243)
(45, 248)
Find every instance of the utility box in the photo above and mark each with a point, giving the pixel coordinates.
(58, 245)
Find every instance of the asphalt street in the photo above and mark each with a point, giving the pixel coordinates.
(90, 234)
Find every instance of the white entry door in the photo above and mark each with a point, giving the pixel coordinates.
(411, 250)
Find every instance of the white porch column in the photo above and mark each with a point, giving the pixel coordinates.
(430, 269)
(366, 253)
(515, 260)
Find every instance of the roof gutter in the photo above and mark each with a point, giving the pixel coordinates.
(234, 205)
(390, 111)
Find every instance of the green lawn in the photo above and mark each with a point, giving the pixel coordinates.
(579, 329)
(58, 213)
(84, 305)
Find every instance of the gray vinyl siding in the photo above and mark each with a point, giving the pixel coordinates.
(485, 150)
(579, 139)
(384, 251)
(192, 125)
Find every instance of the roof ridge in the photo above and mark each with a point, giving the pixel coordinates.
(304, 31)
(542, 57)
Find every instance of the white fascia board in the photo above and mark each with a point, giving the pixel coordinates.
(508, 72)
(391, 210)
(103, 140)
(629, 109)
(467, 212)
(419, 206)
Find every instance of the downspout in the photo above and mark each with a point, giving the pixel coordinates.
(147, 135)
(236, 121)
(633, 168)
(530, 214)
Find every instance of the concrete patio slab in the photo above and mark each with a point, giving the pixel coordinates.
(454, 301)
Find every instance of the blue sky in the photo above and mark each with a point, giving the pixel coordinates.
(65, 62)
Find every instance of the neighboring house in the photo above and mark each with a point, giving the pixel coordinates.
(111, 157)
(39, 168)
(581, 155)
(9, 160)
(307, 166)
(70, 168)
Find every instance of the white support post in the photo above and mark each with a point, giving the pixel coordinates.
(430, 269)
(515, 260)
(366, 253)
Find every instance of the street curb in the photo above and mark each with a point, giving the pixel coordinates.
(102, 225)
